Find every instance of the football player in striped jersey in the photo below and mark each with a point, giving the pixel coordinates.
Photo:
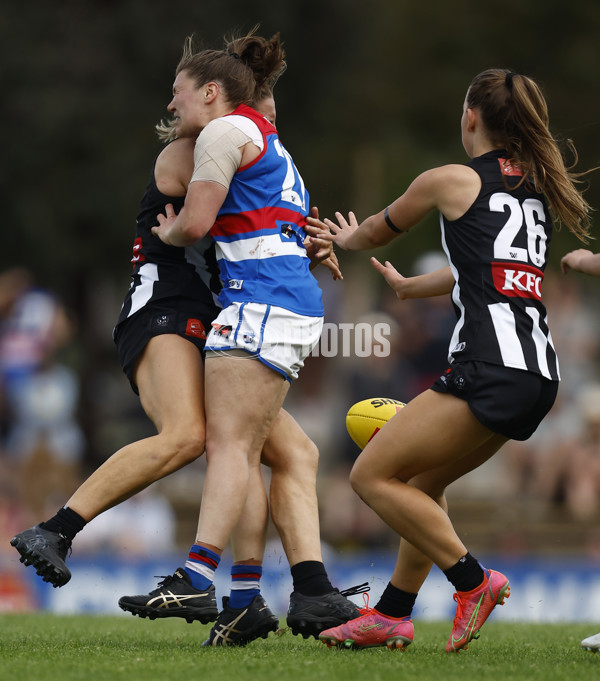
(496, 215)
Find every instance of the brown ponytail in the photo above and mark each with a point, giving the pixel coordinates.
(515, 114)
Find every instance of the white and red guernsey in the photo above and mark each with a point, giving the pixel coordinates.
(498, 252)
(259, 233)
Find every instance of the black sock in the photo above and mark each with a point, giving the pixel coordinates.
(395, 603)
(310, 578)
(67, 522)
(467, 574)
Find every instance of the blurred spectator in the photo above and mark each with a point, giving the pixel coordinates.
(575, 331)
(427, 325)
(42, 442)
(570, 474)
(142, 527)
(13, 283)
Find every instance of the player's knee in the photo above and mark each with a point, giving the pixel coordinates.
(190, 444)
(359, 481)
(308, 456)
(300, 459)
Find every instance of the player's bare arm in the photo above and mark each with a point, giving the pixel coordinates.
(174, 167)
(195, 219)
(451, 189)
(581, 260)
(428, 285)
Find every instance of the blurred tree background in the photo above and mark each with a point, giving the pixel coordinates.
(372, 96)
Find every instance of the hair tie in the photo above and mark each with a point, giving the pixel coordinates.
(508, 80)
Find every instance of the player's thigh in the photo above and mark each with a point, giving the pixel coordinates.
(170, 379)
(243, 396)
(288, 446)
(432, 430)
(435, 481)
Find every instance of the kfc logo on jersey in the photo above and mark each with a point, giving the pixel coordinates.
(522, 281)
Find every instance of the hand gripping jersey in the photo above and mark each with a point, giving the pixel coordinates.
(259, 232)
(498, 252)
(161, 271)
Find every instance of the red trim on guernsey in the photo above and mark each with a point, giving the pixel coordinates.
(264, 126)
(253, 220)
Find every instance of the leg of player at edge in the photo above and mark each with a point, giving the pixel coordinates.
(417, 510)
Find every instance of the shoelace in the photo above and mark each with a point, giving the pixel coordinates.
(165, 580)
(459, 608)
(366, 610)
(458, 616)
(355, 590)
(460, 603)
(363, 589)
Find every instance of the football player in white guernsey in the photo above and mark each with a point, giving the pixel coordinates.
(496, 214)
(167, 371)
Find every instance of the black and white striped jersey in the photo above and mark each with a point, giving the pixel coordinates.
(161, 271)
(498, 252)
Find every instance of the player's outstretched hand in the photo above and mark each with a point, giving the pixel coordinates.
(320, 252)
(394, 279)
(338, 232)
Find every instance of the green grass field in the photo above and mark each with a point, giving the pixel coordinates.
(76, 648)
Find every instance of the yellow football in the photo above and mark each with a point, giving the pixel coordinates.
(366, 418)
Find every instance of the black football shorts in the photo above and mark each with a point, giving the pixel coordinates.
(508, 401)
(191, 319)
